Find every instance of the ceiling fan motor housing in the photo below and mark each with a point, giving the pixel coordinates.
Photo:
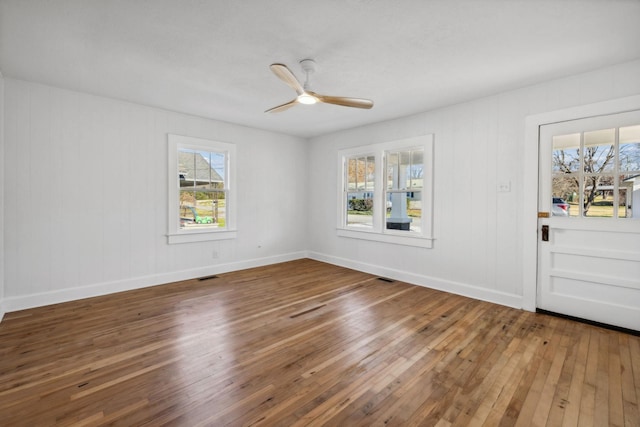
(308, 66)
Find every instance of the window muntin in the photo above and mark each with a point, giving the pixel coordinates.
(386, 192)
(200, 193)
(596, 173)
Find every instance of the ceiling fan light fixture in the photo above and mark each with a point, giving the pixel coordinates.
(307, 99)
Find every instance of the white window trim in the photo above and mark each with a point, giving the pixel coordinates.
(177, 235)
(378, 232)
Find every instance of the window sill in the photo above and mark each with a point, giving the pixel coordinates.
(414, 241)
(200, 236)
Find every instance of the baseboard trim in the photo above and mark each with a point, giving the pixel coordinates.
(11, 304)
(71, 294)
(464, 289)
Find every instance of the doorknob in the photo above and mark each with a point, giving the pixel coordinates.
(545, 233)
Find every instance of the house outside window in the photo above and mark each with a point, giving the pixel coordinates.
(201, 199)
(386, 192)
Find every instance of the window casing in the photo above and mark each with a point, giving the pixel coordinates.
(385, 192)
(201, 197)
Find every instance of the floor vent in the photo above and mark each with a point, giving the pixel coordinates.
(207, 278)
(386, 279)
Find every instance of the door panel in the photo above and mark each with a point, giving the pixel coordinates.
(589, 179)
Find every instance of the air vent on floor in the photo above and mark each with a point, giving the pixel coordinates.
(207, 278)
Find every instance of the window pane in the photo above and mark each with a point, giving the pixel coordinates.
(392, 170)
(565, 196)
(599, 151)
(404, 211)
(598, 196)
(351, 174)
(370, 173)
(359, 209)
(404, 169)
(566, 153)
(416, 171)
(624, 210)
(198, 168)
(629, 198)
(629, 149)
(360, 173)
(218, 163)
(200, 209)
(217, 203)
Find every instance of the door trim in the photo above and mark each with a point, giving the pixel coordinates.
(530, 181)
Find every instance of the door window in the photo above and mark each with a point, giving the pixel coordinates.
(596, 173)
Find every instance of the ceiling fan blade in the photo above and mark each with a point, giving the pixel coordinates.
(344, 101)
(287, 76)
(282, 107)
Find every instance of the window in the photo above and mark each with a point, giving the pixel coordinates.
(201, 199)
(360, 176)
(596, 173)
(386, 191)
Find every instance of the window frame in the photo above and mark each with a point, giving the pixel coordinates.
(175, 234)
(378, 232)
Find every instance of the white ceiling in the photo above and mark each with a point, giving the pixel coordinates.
(211, 58)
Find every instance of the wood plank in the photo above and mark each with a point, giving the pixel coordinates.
(572, 413)
(630, 391)
(308, 343)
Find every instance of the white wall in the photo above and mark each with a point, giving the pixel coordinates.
(2, 169)
(478, 146)
(85, 194)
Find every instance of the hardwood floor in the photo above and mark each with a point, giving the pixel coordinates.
(305, 343)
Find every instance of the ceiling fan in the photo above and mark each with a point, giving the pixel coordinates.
(305, 95)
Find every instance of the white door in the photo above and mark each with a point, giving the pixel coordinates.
(589, 219)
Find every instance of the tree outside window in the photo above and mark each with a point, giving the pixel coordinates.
(597, 172)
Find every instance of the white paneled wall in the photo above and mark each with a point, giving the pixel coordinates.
(85, 193)
(2, 307)
(479, 145)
